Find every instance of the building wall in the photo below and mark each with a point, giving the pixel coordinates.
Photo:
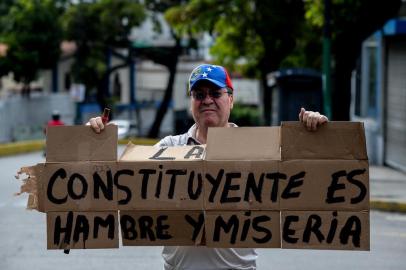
(24, 119)
(379, 94)
(395, 117)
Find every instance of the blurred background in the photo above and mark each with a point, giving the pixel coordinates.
(344, 58)
(62, 62)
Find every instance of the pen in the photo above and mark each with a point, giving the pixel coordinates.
(105, 116)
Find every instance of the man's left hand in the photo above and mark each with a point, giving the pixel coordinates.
(311, 119)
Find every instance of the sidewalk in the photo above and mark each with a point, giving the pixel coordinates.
(387, 189)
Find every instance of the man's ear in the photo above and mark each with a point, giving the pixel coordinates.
(231, 102)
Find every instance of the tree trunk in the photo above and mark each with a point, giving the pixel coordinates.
(267, 99)
(103, 90)
(341, 95)
(163, 108)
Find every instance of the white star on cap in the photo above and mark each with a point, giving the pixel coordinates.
(208, 69)
(204, 75)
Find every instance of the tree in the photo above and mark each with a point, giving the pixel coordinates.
(352, 22)
(32, 33)
(99, 28)
(165, 56)
(253, 36)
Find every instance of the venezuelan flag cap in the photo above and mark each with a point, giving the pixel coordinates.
(218, 75)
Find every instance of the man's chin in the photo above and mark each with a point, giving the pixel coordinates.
(211, 123)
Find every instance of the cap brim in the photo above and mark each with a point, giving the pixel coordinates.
(217, 83)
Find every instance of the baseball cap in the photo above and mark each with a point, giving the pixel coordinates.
(218, 75)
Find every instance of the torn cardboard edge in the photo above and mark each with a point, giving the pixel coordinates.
(31, 185)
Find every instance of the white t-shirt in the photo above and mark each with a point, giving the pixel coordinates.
(204, 258)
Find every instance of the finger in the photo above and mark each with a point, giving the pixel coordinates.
(301, 113)
(323, 119)
(99, 122)
(315, 121)
(309, 121)
(96, 124)
(93, 125)
(304, 117)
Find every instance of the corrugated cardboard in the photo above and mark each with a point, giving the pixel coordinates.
(151, 153)
(244, 143)
(80, 230)
(168, 178)
(161, 228)
(327, 185)
(243, 229)
(32, 185)
(156, 185)
(333, 140)
(242, 185)
(70, 186)
(81, 143)
(325, 230)
(240, 179)
(233, 154)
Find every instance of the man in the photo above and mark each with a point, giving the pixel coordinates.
(56, 119)
(211, 94)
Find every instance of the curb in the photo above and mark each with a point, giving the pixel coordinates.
(388, 206)
(16, 148)
(9, 149)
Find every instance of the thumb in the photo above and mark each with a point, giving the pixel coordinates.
(301, 113)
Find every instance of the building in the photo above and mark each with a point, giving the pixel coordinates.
(139, 87)
(379, 94)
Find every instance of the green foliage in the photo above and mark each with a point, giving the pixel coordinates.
(97, 28)
(33, 34)
(250, 36)
(244, 115)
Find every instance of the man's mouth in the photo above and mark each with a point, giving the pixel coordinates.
(207, 110)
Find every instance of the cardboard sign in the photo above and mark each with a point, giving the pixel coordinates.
(162, 228)
(79, 230)
(74, 186)
(325, 230)
(267, 187)
(243, 229)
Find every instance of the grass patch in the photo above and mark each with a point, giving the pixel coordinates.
(388, 206)
(8, 149)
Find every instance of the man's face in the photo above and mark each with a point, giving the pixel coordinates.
(210, 105)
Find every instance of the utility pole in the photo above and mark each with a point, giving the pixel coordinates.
(327, 59)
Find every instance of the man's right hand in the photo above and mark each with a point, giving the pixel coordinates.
(96, 124)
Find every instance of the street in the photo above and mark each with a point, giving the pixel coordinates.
(23, 240)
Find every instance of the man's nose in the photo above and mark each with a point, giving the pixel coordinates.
(207, 99)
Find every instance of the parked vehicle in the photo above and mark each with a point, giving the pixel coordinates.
(126, 128)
